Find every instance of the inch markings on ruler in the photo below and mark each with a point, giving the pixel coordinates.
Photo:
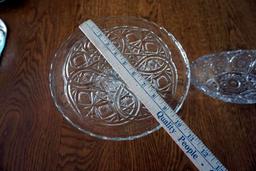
(189, 143)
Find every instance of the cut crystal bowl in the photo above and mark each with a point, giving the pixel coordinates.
(229, 76)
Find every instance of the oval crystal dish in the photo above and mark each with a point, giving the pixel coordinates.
(91, 95)
(229, 76)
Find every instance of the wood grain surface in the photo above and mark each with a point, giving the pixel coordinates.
(34, 136)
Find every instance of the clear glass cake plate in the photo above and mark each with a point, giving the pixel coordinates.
(93, 98)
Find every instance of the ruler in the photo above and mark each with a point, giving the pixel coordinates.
(189, 143)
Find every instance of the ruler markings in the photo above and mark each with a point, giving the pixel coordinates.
(149, 98)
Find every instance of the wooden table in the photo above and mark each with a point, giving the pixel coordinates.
(34, 136)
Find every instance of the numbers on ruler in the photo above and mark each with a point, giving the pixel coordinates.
(124, 62)
(133, 73)
(115, 52)
(143, 84)
(154, 96)
(105, 41)
(218, 168)
(178, 123)
(188, 137)
(191, 137)
(113, 49)
(164, 108)
(204, 153)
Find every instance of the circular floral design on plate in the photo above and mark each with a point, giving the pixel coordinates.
(96, 91)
